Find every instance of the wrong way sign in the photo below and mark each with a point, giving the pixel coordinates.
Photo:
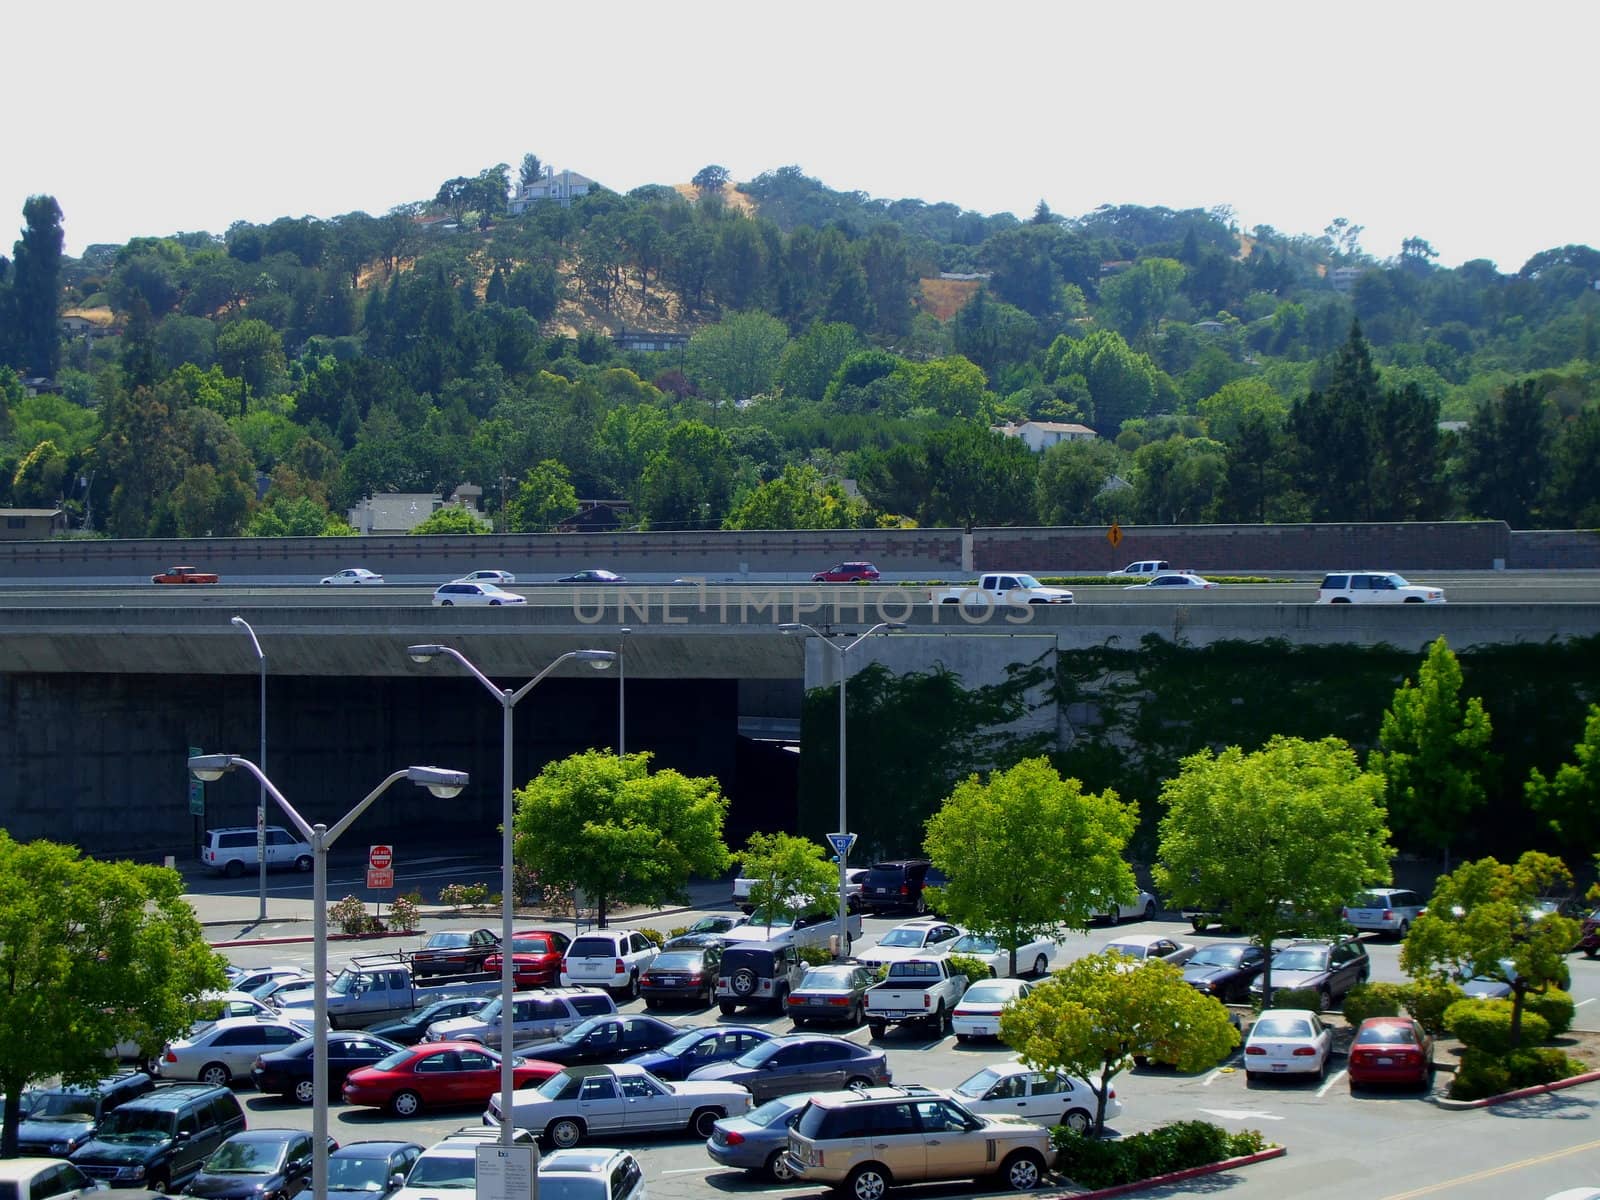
(380, 858)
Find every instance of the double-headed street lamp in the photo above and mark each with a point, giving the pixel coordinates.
(842, 649)
(261, 758)
(507, 699)
(442, 783)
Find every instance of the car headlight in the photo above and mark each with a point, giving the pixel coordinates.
(60, 1148)
(133, 1172)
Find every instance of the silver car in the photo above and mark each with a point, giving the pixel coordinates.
(621, 1098)
(227, 1049)
(1385, 910)
(536, 1015)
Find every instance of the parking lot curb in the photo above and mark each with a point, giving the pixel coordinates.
(1139, 1185)
(1520, 1094)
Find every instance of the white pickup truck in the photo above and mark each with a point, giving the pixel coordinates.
(1003, 588)
(918, 989)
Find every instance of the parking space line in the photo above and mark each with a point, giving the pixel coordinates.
(1581, 1003)
(1333, 1079)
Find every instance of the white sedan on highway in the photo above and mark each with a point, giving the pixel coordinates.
(1033, 957)
(496, 577)
(449, 594)
(351, 577)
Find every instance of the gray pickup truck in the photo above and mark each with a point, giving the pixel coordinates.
(380, 988)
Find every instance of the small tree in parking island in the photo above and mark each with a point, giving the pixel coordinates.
(1091, 1017)
(1026, 851)
(605, 824)
(788, 874)
(91, 954)
(1277, 840)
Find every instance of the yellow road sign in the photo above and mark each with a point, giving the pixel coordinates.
(1114, 535)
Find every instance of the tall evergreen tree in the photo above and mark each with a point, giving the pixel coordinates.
(1505, 455)
(1336, 432)
(36, 287)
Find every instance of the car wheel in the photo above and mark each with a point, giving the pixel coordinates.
(1040, 966)
(1199, 924)
(1591, 951)
(565, 1133)
(727, 1008)
(1324, 1000)
(651, 1002)
(962, 1037)
(743, 982)
(1250, 1078)
(1322, 1070)
(234, 869)
(446, 603)
(158, 1183)
(867, 1182)
(304, 1091)
(856, 1082)
(799, 1023)
(1405, 928)
(1340, 600)
(304, 863)
(1078, 1120)
(1150, 911)
(920, 906)
(405, 1104)
(214, 1075)
(778, 1166)
(876, 1029)
(701, 1123)
(1023, 1171)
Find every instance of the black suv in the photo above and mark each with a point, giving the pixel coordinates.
(897, 883)
(56, 1121)
(754, 975)
(158, 1140)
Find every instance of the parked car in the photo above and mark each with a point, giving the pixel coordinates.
(695, 1048)
(449, 594)
(603, 1039)
(32, 1178)
(257, 1163)
(254, 977)
(56, 1121)
(608, 958)
(1384, 910)
(1287, 1041)
(451, 1165)
(535, 1015)
(1143, 947)
(372, 1170)
(1329, 968)
(232, 851)
(703, 931)
(847, 572)
(497, 577)
(596, 576)
(1589, 934)
(865, 1142)
(227, 1049)
(287, 1072)
(1174, 582)
(926, 937)
(437, 1075)
(800, 1062)
(751, 975)
(977, 1013)
(1011, 1089)
(681, 976)
(582, 1102)
(217, 1006)
(1032, 958)
(814, 928)
(1225, 970)
(1375, 587)
(1391, 1050)
(536, 956)
(897, 883)
(159, 1140)
(1143, 905)
(352, 577)
(409, 1030)
(591, 1174)
(832, 992)
(454, 952)
(759, 1140)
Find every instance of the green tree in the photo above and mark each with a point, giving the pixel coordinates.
(1279, 838)
(737, 357)
(950, 387)
(36, 288)
(298, 517)
(1071, 477)
(810, 362)
(1123, 383)
(1505, 455)
(1570, 799)
(543, 498)
(688, 483)
(1137, 299)
(1178, 480)
(37, 481)
(91, 954)
(1026, 851)
(1336, 432)
(1227, 410)
(1092, 1017)
(711, 178)
(605, 824)
(1435, 754)
(252, 352)
(531, 170)
(789, 875)
(1482, 920)
(800, 498)
(450, 519)
(977, 477)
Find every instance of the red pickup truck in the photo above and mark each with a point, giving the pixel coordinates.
(184, 575)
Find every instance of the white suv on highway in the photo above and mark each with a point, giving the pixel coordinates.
(1375, 587)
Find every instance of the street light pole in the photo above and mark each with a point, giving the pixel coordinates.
(622, 691)
(842, 650)
(443, 784)
(507, 699)
(261, 757)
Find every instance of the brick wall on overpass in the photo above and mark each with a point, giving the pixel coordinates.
(1554, 549)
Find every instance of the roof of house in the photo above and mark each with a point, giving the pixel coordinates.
(1057, 426)
(30, 512)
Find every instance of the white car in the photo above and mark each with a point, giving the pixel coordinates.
(597, 1174)
(474, 593)
(352, 577)
(1375, 587)
(1287, 1041)
(977, 1014)
(608, 958)
(1142, 905)
(808, 929)
(254, 977)
(44, 1179)
(1033, 958)
(1146, 947)
(1013, 1089)
(926, 937)
(227, 1049)
(1173, 580)
(498, 578)
(580, 1102)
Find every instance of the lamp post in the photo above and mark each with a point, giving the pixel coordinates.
(622, 691)
(442, 783)
(842, 649)
(261, 758)
(507, 699)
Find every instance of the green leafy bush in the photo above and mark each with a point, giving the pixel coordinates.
(1486, 1025)
(1483, 1073)
(1428, 999)
(404, 914)
(1096, 1163)
(657, 938)
(973, 968)
(1373, 1000)
(350, 914)
(677, 931)
(814, 956)
(1555, 1006)
(1296, 998)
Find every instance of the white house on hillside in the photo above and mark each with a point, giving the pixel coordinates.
(1041, 435)
(560, 186)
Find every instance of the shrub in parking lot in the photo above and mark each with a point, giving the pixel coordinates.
(404, 913)
(1486, 1025)
(655, 935)
(350, 914)
(1096, 1163)
(973, 968)
(1308, 998)
(1482, 1073)
(454, 894)
(677, 931)
(1373, 1000)
(1555, 1006)
(1428, 999)
(814, 956)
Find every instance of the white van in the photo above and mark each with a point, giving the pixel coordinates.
(233, 851)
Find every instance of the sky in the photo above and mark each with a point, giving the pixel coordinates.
(1466, 124)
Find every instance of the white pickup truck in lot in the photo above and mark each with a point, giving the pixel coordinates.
(1001, 588)
(924, 990)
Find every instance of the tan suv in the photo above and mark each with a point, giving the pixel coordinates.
(865, 1142)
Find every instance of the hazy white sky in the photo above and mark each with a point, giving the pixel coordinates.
(1465, 123)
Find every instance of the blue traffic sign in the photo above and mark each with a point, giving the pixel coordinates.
(841, 843)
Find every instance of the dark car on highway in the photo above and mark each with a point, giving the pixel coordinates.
(593, 577)
(603, 1040)
(411, 1029)
(454, 952)
(1225, 969)
(801, 1062)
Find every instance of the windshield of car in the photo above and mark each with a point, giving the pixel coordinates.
(570, 1186)
(394, 1060)
(445, 941)
(971, 943)
(1283, 1027)
(490, 1012)
(684, 1042)
(445, 1171)
(770, 1113)
(358, 1174)
(1304, 958)
(978, 1085)
(677, 960)
(1395, 1033)
(761, 919)
(757, 1055)
(828, 977)
(991, 991)
(1028, 581)
(712, 925)
(903, 937)
(582, 1030)
(246, 1158)
(1217, 956)
(136, 1124)
(531, 945)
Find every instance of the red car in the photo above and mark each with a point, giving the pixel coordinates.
(1391, 1050)
(1589, 934)
(847, 572)
(535, 957)
(438, 1075)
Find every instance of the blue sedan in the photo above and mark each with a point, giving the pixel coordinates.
(695, 1048)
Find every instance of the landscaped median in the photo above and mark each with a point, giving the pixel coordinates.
(1167, 1154)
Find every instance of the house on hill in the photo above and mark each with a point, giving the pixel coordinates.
(562, 187)
(1041, 435)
